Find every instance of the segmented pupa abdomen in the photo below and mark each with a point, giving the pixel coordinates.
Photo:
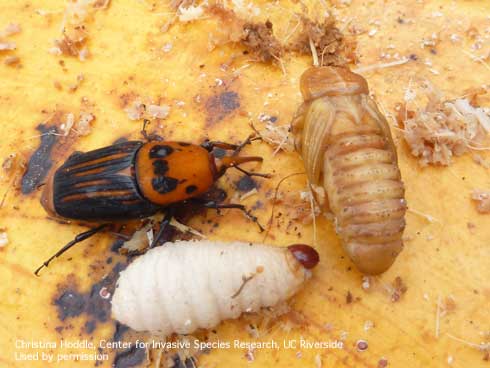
(182, 286)
(347, 148)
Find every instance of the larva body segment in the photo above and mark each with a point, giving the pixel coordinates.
(348, 150)
(183, 286)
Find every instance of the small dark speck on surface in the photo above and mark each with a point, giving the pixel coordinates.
(119, 331)
(246, 184)
(131, 357)
(221, 105)
(117, 245)
(70, 304)
(90, 326)
(40, 161)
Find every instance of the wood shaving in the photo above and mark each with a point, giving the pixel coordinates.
(482, 197)
(258, 38)
(158, 112)
(5, 45)
(186, 229)
(329, 44)
(279, 136)
(4, 240)
(138, 110)
(11, 29)
(398, 289)
(11, 60)
(74, 35)
(189, 13)
(138, 241)
(444, 129)
(481, 161)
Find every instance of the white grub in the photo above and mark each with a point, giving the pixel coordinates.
(5, 45)
(186, 229)
(368, 325)
(445, 128)
(190, 13)
(4, 240)
(482, 197)
(175, 271)
(450, 359)
(158, 111)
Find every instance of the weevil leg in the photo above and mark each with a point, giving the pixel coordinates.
(163, 225)
(79, 238)
(220, 206)
(149, 137)
(209, 145)
(249, 173)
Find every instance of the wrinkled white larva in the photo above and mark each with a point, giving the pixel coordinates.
(182, 286)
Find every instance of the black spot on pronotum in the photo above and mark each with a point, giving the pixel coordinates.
(184, 144)
(131, 357)
(160, 151)
(246, 184)
(40, 161)
(190, 189)
(160, 167)
(164, 184)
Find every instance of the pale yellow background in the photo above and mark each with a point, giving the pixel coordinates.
(125, 42)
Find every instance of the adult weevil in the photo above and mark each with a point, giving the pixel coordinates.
(137, 179)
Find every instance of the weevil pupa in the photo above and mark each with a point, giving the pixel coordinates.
(347, 149)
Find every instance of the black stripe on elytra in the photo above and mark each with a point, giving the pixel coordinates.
(160, 151)
(84, 157)
(164, 184)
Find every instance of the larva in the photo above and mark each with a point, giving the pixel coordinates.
(183, 286)
(348, 150)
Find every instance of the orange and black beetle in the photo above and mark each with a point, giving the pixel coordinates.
(136, 179)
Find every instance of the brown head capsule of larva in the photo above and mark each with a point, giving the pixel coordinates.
(305, 255)
(348, 150)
